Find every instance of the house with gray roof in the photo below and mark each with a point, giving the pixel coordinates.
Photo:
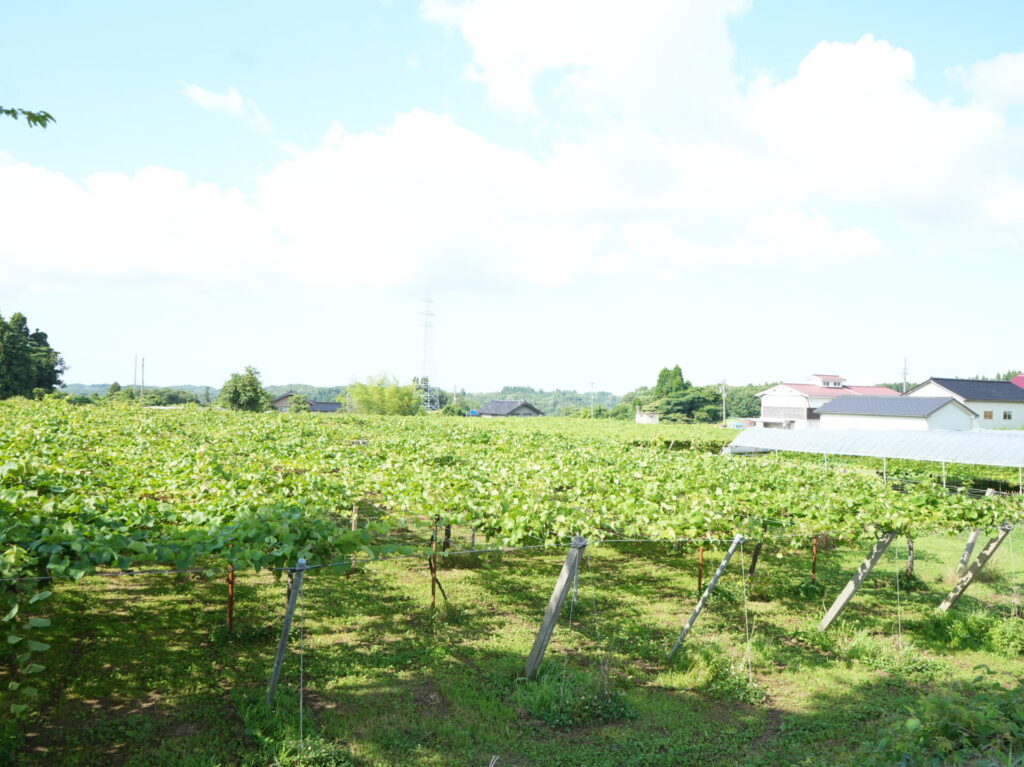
(896, 413)
(999, 404)
(508, 408)
(283, 403)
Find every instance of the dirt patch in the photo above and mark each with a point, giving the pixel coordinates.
(430, 700)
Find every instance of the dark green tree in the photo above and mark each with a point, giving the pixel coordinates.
(17, 373)
(48, 365)
(243, 391)
(114, 388)
(670, 382)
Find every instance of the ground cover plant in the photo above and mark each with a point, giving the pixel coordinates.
(91, 495)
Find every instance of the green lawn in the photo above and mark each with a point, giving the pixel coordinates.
(143, 672)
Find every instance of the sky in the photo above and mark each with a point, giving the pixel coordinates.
(587, 190)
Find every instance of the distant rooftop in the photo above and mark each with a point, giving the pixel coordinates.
(985, 391)
(918, 407)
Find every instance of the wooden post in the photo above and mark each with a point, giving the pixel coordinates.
(286, 627)
(700, 568)
(565, 579)
(447, 538)
(814, 559)
(707, 593)
(983, 557)
(965, 558)
(472, 539)
(433, 565)
(754, 557)
(855, 582)
(355, 526)
(910, 556)
(231, 598)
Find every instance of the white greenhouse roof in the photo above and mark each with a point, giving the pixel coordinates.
(987, 448)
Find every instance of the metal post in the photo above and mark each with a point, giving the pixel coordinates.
(972, 572)
(855, 582)
(282, 645)
(704, 597)
(565, 579)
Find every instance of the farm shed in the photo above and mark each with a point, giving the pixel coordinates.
(508, 408)
(793, 405)
(909, 413)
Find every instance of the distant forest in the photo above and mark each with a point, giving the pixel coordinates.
(675, 398)
(741, 400)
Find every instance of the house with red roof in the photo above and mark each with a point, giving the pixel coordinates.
(793, 405)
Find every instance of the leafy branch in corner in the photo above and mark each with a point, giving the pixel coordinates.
(42, 119)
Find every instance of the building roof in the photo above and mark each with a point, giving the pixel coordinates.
(325, 407)
(984, 447)
(829, 376)
(983, 391)
(813, 390)
(504, 406)
(908, 407)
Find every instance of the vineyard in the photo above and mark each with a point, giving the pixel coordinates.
(96, 501)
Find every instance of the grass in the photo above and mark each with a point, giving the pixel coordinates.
(143, 672)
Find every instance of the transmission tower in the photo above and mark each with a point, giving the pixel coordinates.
(429, 393)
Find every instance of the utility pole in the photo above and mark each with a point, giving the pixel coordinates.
(591, 399)
(904, 375)
(721, 388)
(430, 401)
(142, 392)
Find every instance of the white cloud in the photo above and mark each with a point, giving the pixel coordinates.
(231, 102)
(653, 60)
(673, 165)
(999, 81)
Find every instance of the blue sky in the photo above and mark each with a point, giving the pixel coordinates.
(589, 191)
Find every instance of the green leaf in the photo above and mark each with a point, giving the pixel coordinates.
(35, 646)
(18, 708)
(39, 596)
(913, 724)
(33, 668)
(13, 639)
(38, 623)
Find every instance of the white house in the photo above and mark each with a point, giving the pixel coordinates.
(793, 405)
(999, 404)
(896, 413)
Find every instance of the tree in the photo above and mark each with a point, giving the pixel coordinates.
(114, 388)
(29, 367)
(243, 391)
(382, 395)
(670, 382)
(40, 118)
(299, 404)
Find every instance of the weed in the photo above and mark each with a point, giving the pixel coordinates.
(905, 661)
(710, 669)
(567, 697)
(977, 723)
